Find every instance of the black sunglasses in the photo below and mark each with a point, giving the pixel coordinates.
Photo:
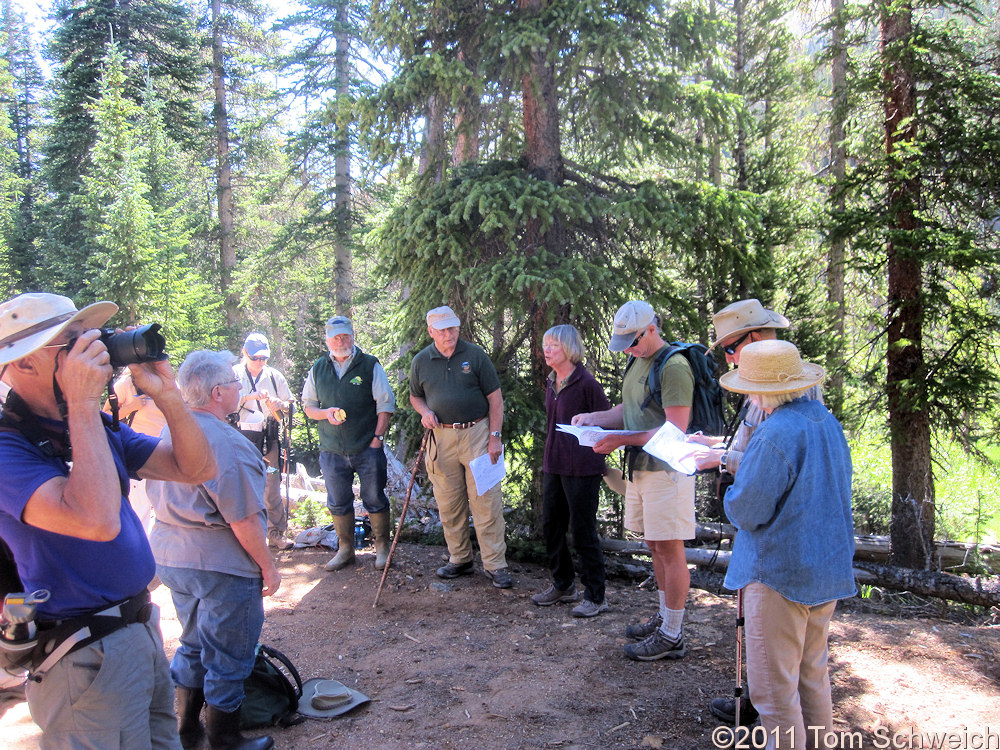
(258, 359)
(730, 349)
(637, 339)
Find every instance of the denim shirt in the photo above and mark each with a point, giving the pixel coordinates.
(791, 504)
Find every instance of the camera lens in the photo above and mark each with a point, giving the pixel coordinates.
(144, 344)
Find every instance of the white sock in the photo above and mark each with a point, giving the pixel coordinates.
(663, 600)
(673, 621)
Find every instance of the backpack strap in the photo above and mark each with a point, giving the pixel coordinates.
(273, 653)
(655, 370)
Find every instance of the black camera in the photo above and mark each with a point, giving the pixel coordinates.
(144, 344)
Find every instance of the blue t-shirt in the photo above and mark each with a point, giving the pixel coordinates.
(80, 574)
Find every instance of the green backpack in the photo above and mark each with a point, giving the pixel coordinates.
(272, 698)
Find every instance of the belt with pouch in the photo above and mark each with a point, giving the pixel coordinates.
(58, 638)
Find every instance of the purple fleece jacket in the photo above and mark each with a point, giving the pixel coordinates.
(563, 453)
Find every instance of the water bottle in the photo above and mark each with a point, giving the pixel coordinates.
(359, 534)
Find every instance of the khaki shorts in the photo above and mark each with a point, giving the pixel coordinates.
(660, 505)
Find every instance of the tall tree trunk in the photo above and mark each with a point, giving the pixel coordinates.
(739, 65)
(838, 167)
(468, 118)
(343, 273)
(223, 172)
(912, 523)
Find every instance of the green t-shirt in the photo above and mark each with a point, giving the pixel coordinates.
(455, 388)
(677, 389)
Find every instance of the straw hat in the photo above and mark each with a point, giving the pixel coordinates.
(745, 315)
(772, 367)
(324, 699)
(30, 321)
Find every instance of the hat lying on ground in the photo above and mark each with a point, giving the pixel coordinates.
(745, 315)
(772, 367)
(324, 699)
(30, 321)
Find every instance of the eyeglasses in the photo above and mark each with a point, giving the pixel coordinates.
(637, 339)
(730, 349)
(228, 382)
(258, 359)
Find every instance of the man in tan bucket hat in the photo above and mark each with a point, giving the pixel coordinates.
(72, 531)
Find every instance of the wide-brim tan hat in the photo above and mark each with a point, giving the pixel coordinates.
(324, 699)
(772, 367)
(745, 315)
(30, 321)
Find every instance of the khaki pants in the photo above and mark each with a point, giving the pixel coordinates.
(787, 666)
(448, 458)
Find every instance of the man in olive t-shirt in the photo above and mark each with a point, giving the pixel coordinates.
(455, 388)
(659, 502)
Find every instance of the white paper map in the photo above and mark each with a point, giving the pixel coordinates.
(670, 444)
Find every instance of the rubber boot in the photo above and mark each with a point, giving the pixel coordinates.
(344, 525)
(380, 530)
(189, 704)
(224, 732)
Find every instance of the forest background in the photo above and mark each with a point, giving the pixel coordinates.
(225, 167)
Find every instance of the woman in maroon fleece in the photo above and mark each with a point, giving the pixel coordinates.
(571, 477)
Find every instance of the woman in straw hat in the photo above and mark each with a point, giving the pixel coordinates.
(791, 504)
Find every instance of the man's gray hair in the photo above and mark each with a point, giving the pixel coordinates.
(201, 372)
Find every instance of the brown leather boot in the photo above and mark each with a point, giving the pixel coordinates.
(380, 530)
(224, 732)
(344, 526)
(189, 704)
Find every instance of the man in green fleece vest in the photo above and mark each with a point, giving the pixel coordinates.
(349, 394)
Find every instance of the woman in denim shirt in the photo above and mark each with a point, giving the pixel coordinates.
(791, 503)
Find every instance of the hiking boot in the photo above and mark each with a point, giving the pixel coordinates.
(587, 608)
(454, 570)
(657, 646)
(344, 526)
(276, 540)
(552, 595)
(643, 630)
(380, 531)
(502, 578)
(725, 709)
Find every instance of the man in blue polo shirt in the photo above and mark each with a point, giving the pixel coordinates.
(72, 530)
(456, 390)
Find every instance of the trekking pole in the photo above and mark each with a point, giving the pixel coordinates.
(738, 691)
(288, 455)
(402, 516)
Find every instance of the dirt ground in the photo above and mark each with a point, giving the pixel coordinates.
(460, 664)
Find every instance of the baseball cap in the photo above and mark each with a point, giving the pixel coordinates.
(442, 317)
(631, 317)
(256, 345)
(337, 325)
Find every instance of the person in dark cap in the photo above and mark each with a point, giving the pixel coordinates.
(64, 513)
(264, 401)
(348, 393)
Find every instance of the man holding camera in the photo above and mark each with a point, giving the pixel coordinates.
(105, 682)
(264, 400)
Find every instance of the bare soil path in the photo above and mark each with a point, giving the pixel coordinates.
(460, 664)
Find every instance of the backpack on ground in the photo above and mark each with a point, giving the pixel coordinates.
(272, 691)
(707, 401)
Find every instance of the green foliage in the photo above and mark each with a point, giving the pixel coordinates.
(310, 513)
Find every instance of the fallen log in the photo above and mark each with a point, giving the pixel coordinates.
(984, 592)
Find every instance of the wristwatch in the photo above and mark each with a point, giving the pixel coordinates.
(380, 438)
(722, 462)
(495, 433)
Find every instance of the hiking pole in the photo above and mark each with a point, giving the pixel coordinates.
(402, 516)
(738, 691)
(288, 455)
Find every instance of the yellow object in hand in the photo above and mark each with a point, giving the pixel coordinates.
(340, 415)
